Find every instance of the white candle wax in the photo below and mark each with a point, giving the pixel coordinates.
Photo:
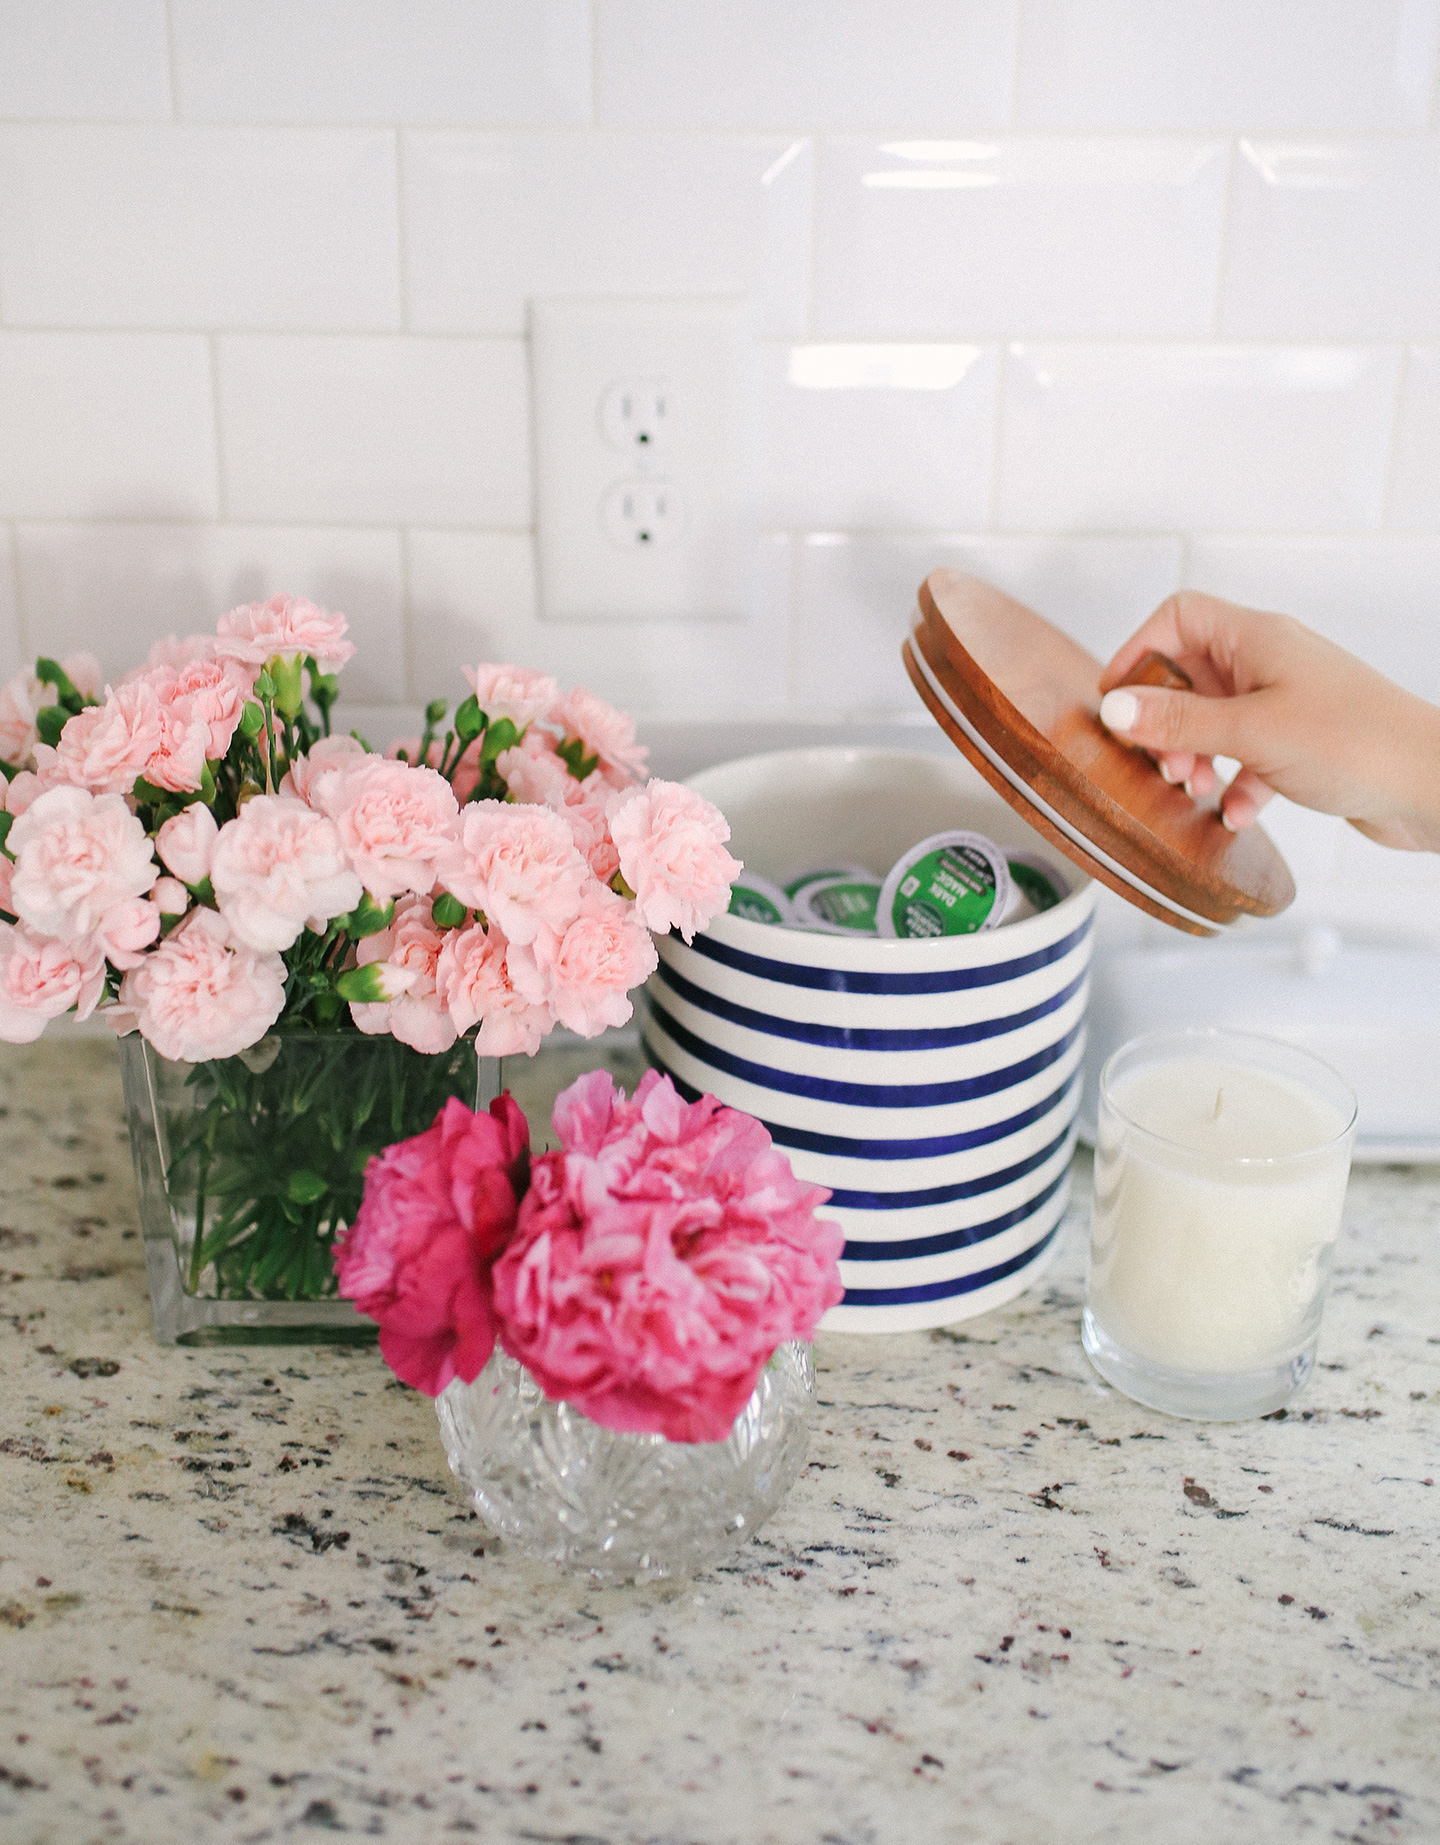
(1218, 1193)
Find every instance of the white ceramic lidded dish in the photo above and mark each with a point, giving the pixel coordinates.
(932, 1085)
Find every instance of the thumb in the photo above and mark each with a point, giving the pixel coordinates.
(1174, 722)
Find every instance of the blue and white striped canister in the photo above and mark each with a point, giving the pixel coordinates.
(933, 1086)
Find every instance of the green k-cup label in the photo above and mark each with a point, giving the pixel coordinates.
(796, 887)
(757, 900)
(952, 884)
(1039, 884)
(844, 904)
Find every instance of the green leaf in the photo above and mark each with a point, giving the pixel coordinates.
(51, 672)
(148, 795)
(448, 912)
(50, 720)
(252, 719)
(572, 753)
(501, 735)
(6, 822)
(305, 1187)
(9, 770)
(207, 785)
(469, 720)
(203, 892)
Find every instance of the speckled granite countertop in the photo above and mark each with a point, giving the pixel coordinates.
(242, 1599)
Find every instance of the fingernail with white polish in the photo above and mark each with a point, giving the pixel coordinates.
(1119, 710)
(1227, 822)
(1166, 773)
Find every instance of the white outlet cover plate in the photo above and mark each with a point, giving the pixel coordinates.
(599, 566)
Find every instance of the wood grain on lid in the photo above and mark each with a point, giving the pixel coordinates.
(1033, 695)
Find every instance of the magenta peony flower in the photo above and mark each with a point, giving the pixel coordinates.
(417, 1259)
(584, 972)
(202, 994)
(659, 1260)
(671, 846)
(285, 625)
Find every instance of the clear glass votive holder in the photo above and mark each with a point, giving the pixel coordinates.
(1221, 1161)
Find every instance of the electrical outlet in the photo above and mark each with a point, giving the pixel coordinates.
(643, 481)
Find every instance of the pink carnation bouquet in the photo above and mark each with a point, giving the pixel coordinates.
(193, 853)
(653, 1265)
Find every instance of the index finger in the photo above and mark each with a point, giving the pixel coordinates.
(1189, 622)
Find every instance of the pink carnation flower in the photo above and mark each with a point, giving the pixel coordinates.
(285, 625)
(278, 866)
(202, 994)
(395, 822)
(207, 692)
(518, 864)
(409, 952)
(584, 972)
(134, 732)
(417, 1259)
(605, 732)
(76, 855)
(463, 776)
(660, 1258)
(328, 753)
(127, 929)
(538, 777)
(186, 843)
(671, 847)
(23, 695)
(474, 985)
(41, 977)
(513, 692)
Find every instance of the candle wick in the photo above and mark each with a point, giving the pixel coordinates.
(1219, 1104)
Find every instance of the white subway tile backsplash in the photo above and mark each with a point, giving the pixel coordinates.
(492, 219)
(1246, 64)
(461, 61)
(198, 227)
(854, 597)
(102, 59)
(876, 435)
(1238, 438)
(117, 589)
(1061, 237)
(472, 597)
(1334, 240)
(12, 651)
(1378, 597)
(361, 430)
(97, 425)
(1415, 471)
(825, 63)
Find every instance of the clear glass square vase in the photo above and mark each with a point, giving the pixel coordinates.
(249, 1168)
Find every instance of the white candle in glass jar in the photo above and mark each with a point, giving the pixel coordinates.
(1219, 1186)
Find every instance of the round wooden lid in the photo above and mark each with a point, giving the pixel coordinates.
(1022, 701)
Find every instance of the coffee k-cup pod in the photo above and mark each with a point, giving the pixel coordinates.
(950, 884)
(1035, 885)
(758, 900)
(844, 905)
(796, 887)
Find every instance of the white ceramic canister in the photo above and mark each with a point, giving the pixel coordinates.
(932, 1085)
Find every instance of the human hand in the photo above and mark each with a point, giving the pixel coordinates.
(1304, 718)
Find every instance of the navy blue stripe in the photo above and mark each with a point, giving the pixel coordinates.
(857, 1038)
(955, 1239)
(943, 1290)
(863, 1095)
(838, 980)
(933, 1146)
(950, 1194)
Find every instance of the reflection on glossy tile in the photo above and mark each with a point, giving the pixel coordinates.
(1334, 239)
(96, 425)
(876, 435)
(1082, 237)
(492, 219)
(854, 597)
(375, 429)
(462, 61)
(11, 651)
(1227, 64)
(117, 589)
(1415, 475)
(1375, 596)
(198, 227)
(106, 60)
(472, 597)
(826, 63)
(1183, 437)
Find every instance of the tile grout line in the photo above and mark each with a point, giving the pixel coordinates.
(997, 439)
(402, 239)
(1222, 252)
(222, 497)
(172, 77)
(1392, 456)
(22, 623)
(1017, 33)
(407, 613)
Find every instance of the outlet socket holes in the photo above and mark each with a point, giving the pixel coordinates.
(642, 515)
(633, 415)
